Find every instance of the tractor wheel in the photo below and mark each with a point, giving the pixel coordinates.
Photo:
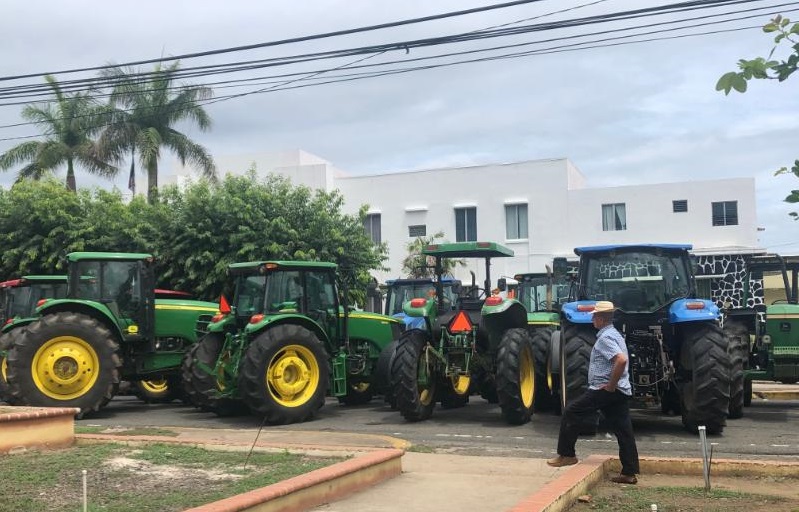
(203, 387)
(358, 393)
(737, 337)
(157, 389)
(545, 399)
(747, 393)
(414, 401)
(7, 340)
(575, 354)
(705, 377)
(190, 391)
(516, 376)
(383, 377)
(284, 375)
(455, 392)
(64, 360)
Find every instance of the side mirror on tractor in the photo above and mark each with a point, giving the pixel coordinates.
(502, 284)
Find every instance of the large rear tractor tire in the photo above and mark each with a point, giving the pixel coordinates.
(737, 337)
(516, 379)
(575, 355)
(545, 399)
(284, 375)
(64, 360)
(202, 387)
(190, 391)
(414, 400)
(704, 377)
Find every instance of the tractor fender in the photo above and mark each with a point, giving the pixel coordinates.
(689, 310)
(93, 309)
(508, 314)
(17, 322)
(579, 312)
(253, 330)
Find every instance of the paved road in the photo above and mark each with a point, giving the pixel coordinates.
(770, 429)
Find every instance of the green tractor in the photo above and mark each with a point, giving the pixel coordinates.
(479, 342)
(75, 350)
(542, 294)
(764, 344)
(285, 343)
(18, 301)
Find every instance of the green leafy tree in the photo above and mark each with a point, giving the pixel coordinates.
(146, 110)
(767, 68)
(69, 125)
(247, 219)
(418, 266)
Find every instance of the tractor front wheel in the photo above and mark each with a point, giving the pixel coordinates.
(575, 354)
(704, 377)
(516, 377)
(64, 360)
(383, 377)
(157, 389)
(205, 380)
(284, 375)
(545, 399)
(415, 399)
(737, 337)
(358, 393)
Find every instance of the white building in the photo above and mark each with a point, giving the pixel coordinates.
(540, 209)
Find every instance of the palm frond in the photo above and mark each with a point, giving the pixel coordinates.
(21, 153)
(195, 154)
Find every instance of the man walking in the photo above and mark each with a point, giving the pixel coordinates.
(608, 391)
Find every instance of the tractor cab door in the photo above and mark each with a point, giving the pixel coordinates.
(322, 302)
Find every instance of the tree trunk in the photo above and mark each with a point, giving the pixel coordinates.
(71, 185)
(152, 181)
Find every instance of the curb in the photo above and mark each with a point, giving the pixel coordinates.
(369, 467)
(36, 427)
(562, 493)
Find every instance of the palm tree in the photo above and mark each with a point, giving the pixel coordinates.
(417, 265)
(146, 109)
(68, 124)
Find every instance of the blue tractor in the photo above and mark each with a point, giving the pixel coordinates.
(679, 357)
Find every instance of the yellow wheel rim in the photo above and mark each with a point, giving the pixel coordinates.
(292, 376)
(460, 384)
(426, 396)
(4, 369)
(550, 377)
(221, 378)
(156, 387)
(360, 387)
(65, 368)
(527, 376)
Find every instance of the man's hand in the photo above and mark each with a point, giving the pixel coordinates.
(610, 388)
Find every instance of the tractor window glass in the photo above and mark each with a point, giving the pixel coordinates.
(284, 292)
(321, 292)
(121, 287)
(614, 217)
(250, 295)
(89, 287)
(399, 294)
(466, 224)
(636, 281)
(20, 302)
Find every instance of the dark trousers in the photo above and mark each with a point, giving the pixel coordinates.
(616, 409)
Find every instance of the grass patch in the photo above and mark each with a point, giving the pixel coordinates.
(616, 498)
(153, 477)
(89, 429)
(421, 448)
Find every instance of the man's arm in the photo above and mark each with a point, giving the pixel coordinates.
(619, 363)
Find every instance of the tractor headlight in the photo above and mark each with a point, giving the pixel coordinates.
(766, 339)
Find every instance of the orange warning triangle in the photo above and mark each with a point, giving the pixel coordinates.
(460, 323)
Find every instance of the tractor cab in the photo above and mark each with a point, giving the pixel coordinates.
(122, 282)
(541, 291)
(19, 297)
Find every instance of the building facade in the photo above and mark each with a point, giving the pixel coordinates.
(541, 209)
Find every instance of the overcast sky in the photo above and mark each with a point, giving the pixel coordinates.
(632, 114)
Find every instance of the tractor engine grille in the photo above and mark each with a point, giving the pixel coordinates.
(201, 327)
(645, 363)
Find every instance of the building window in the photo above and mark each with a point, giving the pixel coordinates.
(515, 221)
(371, 224)
(417, 230)
(466, 224)
(725, 213)
(614, 217)
(679, 206)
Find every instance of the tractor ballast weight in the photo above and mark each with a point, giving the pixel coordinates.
(479, 343)
(286, 342)
(764, 338)
(678, 357)
(75, 350)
